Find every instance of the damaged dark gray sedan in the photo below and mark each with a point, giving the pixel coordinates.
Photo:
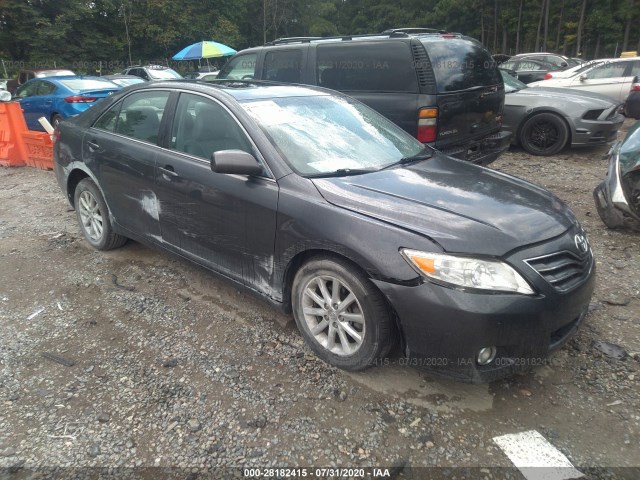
(326, 209)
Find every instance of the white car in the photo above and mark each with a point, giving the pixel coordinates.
(612, 77)
(570, 72)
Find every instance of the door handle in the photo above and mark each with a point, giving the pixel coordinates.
(168, 171)
(93, 146)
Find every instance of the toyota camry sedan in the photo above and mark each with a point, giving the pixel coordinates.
(328, 210)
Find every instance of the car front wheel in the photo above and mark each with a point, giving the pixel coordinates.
(544, 134)
(343, 318)
(93, 217)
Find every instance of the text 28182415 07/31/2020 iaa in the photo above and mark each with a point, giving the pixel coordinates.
(325, 208)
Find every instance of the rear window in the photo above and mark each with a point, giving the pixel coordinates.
(367, 67)
(87, 84)
(460, 64)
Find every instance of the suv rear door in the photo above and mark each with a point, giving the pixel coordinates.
(470, 92)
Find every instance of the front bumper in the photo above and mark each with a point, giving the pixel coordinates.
(482, 151)
(596, 132)
(612, 205)
(445, 328)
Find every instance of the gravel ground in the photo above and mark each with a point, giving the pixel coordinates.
(132, 358)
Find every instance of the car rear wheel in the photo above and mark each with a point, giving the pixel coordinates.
(55, 120)
(544, 134)
(93, 217)
(343, 318)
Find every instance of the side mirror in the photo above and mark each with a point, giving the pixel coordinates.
(235, 162)
(564, 64)
(583, 77)
(5, 96)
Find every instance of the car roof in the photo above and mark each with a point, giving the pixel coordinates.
(240, 90)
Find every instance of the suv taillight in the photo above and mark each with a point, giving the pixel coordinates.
(548, 76)
(635, 87)
(427, 124)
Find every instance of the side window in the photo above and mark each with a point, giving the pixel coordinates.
(202, 126)
(46, 88)
(141, 114)
(383, 67)
(607, 70)
(240, 67)
(635, 69)
(108, 121)
(28, 90)
(529, 66)
(283, 66)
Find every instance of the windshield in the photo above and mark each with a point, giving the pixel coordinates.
(125, 82)
(511, 84)
(164, 74)
(87, 84)
(325, 134)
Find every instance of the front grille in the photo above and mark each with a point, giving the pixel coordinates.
(563, 270)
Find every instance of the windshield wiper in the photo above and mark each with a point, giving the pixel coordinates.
(421, 155)
(343, 172)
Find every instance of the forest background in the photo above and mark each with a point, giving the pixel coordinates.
(107, 35)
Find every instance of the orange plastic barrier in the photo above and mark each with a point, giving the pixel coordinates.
(13, 152)
(39, 149)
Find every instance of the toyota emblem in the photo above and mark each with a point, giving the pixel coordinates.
(581, 243)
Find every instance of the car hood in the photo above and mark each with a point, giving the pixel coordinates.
(557, 94)
(463, 207)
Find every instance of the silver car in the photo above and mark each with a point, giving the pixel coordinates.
(544, 120)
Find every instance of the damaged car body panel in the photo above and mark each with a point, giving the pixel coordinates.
(617, 198)
(336, 214)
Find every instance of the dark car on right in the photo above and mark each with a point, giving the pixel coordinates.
(632, 104)
(443, 88)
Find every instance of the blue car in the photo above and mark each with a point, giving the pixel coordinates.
(57, 98)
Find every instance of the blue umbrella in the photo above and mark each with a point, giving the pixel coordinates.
(204, 49)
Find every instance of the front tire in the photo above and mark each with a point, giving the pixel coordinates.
(93, 217)
(544, 134)
(343, 318)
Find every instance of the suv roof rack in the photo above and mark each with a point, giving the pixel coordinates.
(413, 30)
(393, 32)
(285, 40)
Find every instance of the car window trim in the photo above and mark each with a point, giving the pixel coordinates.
(255, 148)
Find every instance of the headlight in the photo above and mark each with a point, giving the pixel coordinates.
(467, 272)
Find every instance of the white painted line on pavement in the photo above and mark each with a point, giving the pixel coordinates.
(535, 457)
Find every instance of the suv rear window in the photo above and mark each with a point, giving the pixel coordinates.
(385, 67)
(459, 64)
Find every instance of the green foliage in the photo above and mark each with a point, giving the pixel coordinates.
(88, 33)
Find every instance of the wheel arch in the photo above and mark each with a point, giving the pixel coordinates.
(305, 256)
(77, 173)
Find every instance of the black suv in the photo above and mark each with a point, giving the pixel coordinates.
(443, 88)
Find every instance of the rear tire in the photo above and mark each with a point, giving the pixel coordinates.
(93, 216)
(544, 134)
(55, 120)
(342, 316)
